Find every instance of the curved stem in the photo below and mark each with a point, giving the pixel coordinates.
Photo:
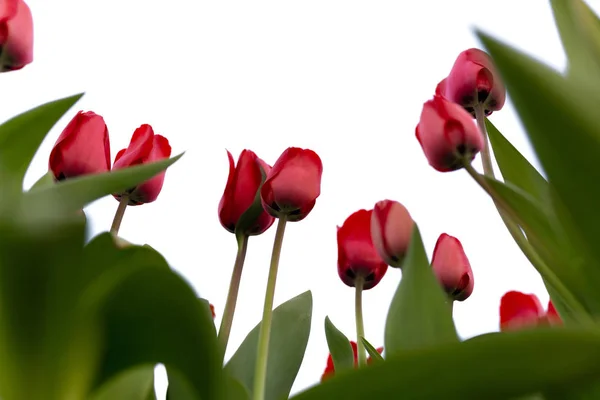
(234, 287)
(360, 326)
(116, 224)
(260, 371)
(486, 157)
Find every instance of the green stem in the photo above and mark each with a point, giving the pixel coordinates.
(116, 224)
(234, 287)
(360, 326)
(486, 158)
(260, 371)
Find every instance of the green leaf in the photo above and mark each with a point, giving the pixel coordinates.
(45, 180)
(133, 384)
(289, 336)
(419, 315)
(21, 136)
(339, 347)
(491, 366)
(515, 168)
(74, 194)
(375, 356)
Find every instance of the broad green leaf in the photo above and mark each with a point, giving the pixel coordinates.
(74, 194)
(515, 168)
(45, 180)
(419, 315)
(21, 136)
(375, 356)
(133, 384)
(565, 136)
(339, 347)
(289, 336)
(491, 366)
(179, 387)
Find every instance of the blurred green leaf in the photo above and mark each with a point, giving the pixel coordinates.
(21, 136)
(375, 356)
(133, 384)
(491, 366)
(419, 315)
(289, 336)
(45, 180)
(339, 347)
(74, 194)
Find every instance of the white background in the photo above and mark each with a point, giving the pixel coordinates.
(344, 78)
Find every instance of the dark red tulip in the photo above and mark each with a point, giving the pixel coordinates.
(293, 185)
(145, 147)
(330, 368)
(447, 135)
(391, 229)
(520, 310)
(452, 268)
(240, 191)
(82, 148)
(474, 81)
(356, 253)
(212, 310)
(16, 35)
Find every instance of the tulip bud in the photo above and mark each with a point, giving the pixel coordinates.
(293, 185)
(356, 253)
(452, 268)
(242, 185)
(330, 368)
(474, 81)
(391, 229)
(519, 310)
(447, 134)
(82, 148)
(16, 35)
(145, 147)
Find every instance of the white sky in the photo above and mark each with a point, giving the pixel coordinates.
(344, 78)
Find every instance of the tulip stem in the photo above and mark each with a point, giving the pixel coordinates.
(116, 224)
(234, 287)
(360, 326)
(486, 158)
(260, 371)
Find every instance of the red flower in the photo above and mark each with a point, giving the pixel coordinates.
(452, 268)
(242, 184)
(293, 185)
(82, 148)
(519, 310)
(447, 135)
(474, 80)
(391, 229)
(330, 369)
(356, 253)
(16, 35)
(212, 310)
(145, 147)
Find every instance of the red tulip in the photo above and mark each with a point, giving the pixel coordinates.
(242, 184)
(16, 35)
(448, 135)
(391, 229)
(330, 368)
(293, 185)
(452, 268)
(82, 148)
(212, 310)
(356, 253)
(519, 310)
(472, 81)
(145, 147)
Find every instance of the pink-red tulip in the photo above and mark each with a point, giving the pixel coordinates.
(520, 310)
(240, 191)
(474, 81)
(447, 134)
(82, 148)
(356, 253)
(391, 229)
(330, 368)
(293, 184)
(16, 35)
(452, 267)
(145, 147)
